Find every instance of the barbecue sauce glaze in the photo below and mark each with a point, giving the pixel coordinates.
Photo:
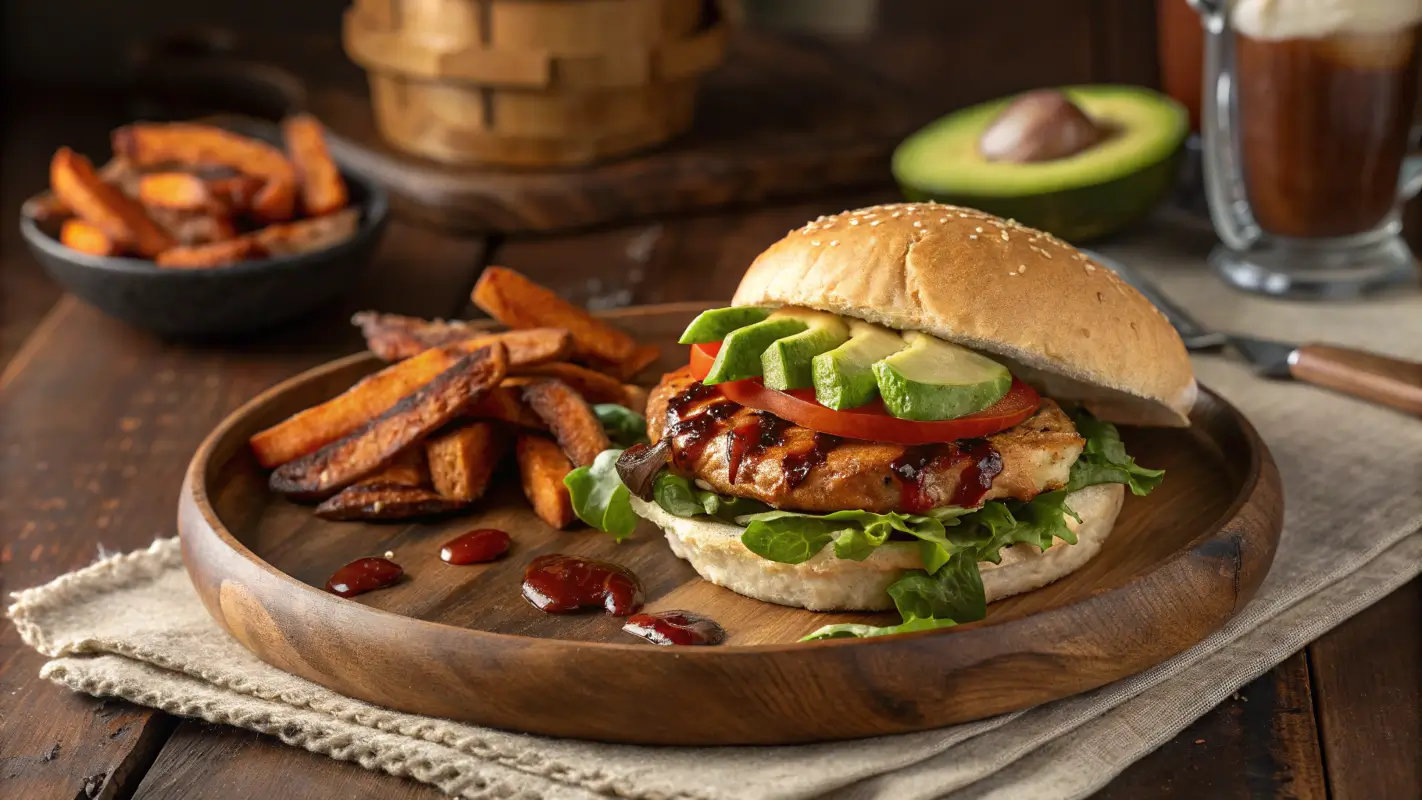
(690, 434)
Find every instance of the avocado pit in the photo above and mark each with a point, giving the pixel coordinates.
(1042, 125)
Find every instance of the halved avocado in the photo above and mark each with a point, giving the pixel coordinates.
(1096, 191)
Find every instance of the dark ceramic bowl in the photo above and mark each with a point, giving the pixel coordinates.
(223, 301)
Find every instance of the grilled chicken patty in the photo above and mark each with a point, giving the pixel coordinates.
(795, 468)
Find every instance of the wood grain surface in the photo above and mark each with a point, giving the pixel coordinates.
(1178, 564)
(1264, 743)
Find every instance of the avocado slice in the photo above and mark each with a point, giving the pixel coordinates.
(932, 379)
(713, 324)
(740, 353)
(786, 363)
(1097, 191)
(844, 377)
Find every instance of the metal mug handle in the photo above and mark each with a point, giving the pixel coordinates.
(1224, 180)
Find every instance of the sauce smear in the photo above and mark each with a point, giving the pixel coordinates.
(475, 547)
(675, 628)
(364, 575)
(558, 584)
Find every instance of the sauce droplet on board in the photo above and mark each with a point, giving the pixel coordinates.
(557, 584)
(364, 575)
(475, 547)
(675, 628)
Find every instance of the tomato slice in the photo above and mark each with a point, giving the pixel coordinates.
(702, 357)
(870, 422)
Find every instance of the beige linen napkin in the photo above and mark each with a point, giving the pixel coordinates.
(131, 626)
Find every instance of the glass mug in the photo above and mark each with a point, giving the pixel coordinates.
(1306, 138)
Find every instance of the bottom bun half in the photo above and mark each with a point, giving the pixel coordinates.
(826, 583)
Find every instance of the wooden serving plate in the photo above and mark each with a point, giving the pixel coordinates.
(461, 642)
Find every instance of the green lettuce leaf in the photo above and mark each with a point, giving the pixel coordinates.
(1104, 460)
(622, 425)
(791, 537)
(955, 592)
(599, 497)
(679, 496)
(852, 630)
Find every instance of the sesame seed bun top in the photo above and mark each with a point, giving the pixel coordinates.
(1059, 320)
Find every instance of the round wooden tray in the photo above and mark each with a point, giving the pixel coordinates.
(461, 642)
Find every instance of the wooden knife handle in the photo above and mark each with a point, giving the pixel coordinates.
(1380, 379)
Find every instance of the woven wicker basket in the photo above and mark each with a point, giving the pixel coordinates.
(533, 82)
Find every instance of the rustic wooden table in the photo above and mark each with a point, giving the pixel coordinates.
(98, 421)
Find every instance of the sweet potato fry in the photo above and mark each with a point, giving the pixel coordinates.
(308, 235)
(206, 256)
(150, 145)
(380, 501)
(74, 182)
(318, 426)
(518, 302)
(636, 397)
(408, 469)
(323, 191)
(235, 192)
(76, 234)
(463, 460)
(595, 387)
(541, 468)
(393, 337)
(182, 191)
(193, 228)
(506, 405)
(640, 359)
(372, 446)
(572, 421)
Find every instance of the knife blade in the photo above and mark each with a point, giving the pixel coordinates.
(1380, 379)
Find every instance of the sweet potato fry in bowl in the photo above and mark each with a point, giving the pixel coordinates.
(75, 183)
(207, 256)
(541, 468)
(463, 460)
(323, 191)
(385, 501)
(80, 235)
(518, 302)
(307, 235)
(235, 192)
(150, 145)
(379, 441)
(572, 421)
(393, 337)
(181, 191)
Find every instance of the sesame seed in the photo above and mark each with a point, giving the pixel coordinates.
(834, 243)
(854, 222)
(942, 219)
(979, 229)
(1090, 267)
(972, 236)
(1004, 235)
(1013, 274)
(389, 553)
(1021, 267)
(896, 214)
(815, 242)
(962, 215)
(875, 222)
(917, 224)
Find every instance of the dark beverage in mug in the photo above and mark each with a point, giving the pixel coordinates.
(1323, 125)
(1307, 111)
